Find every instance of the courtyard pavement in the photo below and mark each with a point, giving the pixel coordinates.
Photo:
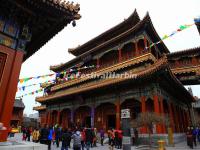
(179, 146)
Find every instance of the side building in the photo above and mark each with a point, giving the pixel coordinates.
(17, 113)
(128, 73)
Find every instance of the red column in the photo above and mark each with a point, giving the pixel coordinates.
(50, 118)
(143, 110)
(11, 65)
(119, 54)
(58, 117)
(163, 114)
(176, 119)
(98, 62)
(171, 116)
(136, 49)
(157, 111)
(118, 114)
(145, 43)
(46, 117)
(194, 60)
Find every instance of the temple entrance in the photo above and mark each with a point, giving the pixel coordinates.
(105, 116)
(111, 121)
(65, 118)
(82, 116)
(134, 106)
(88, 122)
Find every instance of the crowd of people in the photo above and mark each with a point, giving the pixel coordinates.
(82, 138)
(193, 135)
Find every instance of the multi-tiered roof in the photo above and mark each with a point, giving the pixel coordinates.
(112, 37)
(153, 68)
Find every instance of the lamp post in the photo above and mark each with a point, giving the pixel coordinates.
(125, 116)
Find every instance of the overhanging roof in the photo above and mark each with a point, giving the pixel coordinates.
(45, 18)
(145, 24)
(160, 66)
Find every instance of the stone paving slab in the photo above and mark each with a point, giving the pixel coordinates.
(179, 146)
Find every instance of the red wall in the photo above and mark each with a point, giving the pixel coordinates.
(8, 84)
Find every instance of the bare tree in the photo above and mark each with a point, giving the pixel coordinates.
(148, 119)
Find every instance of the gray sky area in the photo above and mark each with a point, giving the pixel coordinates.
(100, 15)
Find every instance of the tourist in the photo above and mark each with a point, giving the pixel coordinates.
(65, 138)
(95, 137)
(28, 134)
(109, 136)
(82, 139)
(116, 139)
(35, 135)
(57, 135)
(24, 134)
(50, 137)
(76, 140)
(189, 137)
(120, 135)
(70, 132)
(44, 132)
(102, 136)
(88, 138)
(194, 136)
(198, 135)
(135, 136)
(112, 138)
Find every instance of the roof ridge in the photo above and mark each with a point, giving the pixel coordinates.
(184, 50)
(134, 15)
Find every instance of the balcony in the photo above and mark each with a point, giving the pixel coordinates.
(110, 67)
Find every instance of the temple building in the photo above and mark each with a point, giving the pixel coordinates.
(25, 26)
(128, 73)
(17, 113)
(197, 22)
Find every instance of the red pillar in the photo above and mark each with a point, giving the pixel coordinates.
(98, 63)
(176, 119)
(163, 114)
(10, 66)
(194, 61)
(145, 43)
(118, 114)
(180, 120)
(157, 111)
(119, 54)
(136, 49)
(49, 119)
(58, 117)
(171, 116)
(143, 110)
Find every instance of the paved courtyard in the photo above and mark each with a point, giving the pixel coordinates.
(180, 146)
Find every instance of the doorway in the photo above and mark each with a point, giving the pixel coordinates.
(88, 122)
(111, 121)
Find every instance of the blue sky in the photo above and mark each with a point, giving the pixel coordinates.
(100, 15)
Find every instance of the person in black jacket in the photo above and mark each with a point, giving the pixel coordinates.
(44, 133)
(66, 138)
(58, 135)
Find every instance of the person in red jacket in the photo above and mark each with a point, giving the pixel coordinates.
(82, 139)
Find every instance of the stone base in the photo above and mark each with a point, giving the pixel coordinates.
(12, 145)
(178, 137)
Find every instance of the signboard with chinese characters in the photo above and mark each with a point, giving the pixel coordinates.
(125, 113)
